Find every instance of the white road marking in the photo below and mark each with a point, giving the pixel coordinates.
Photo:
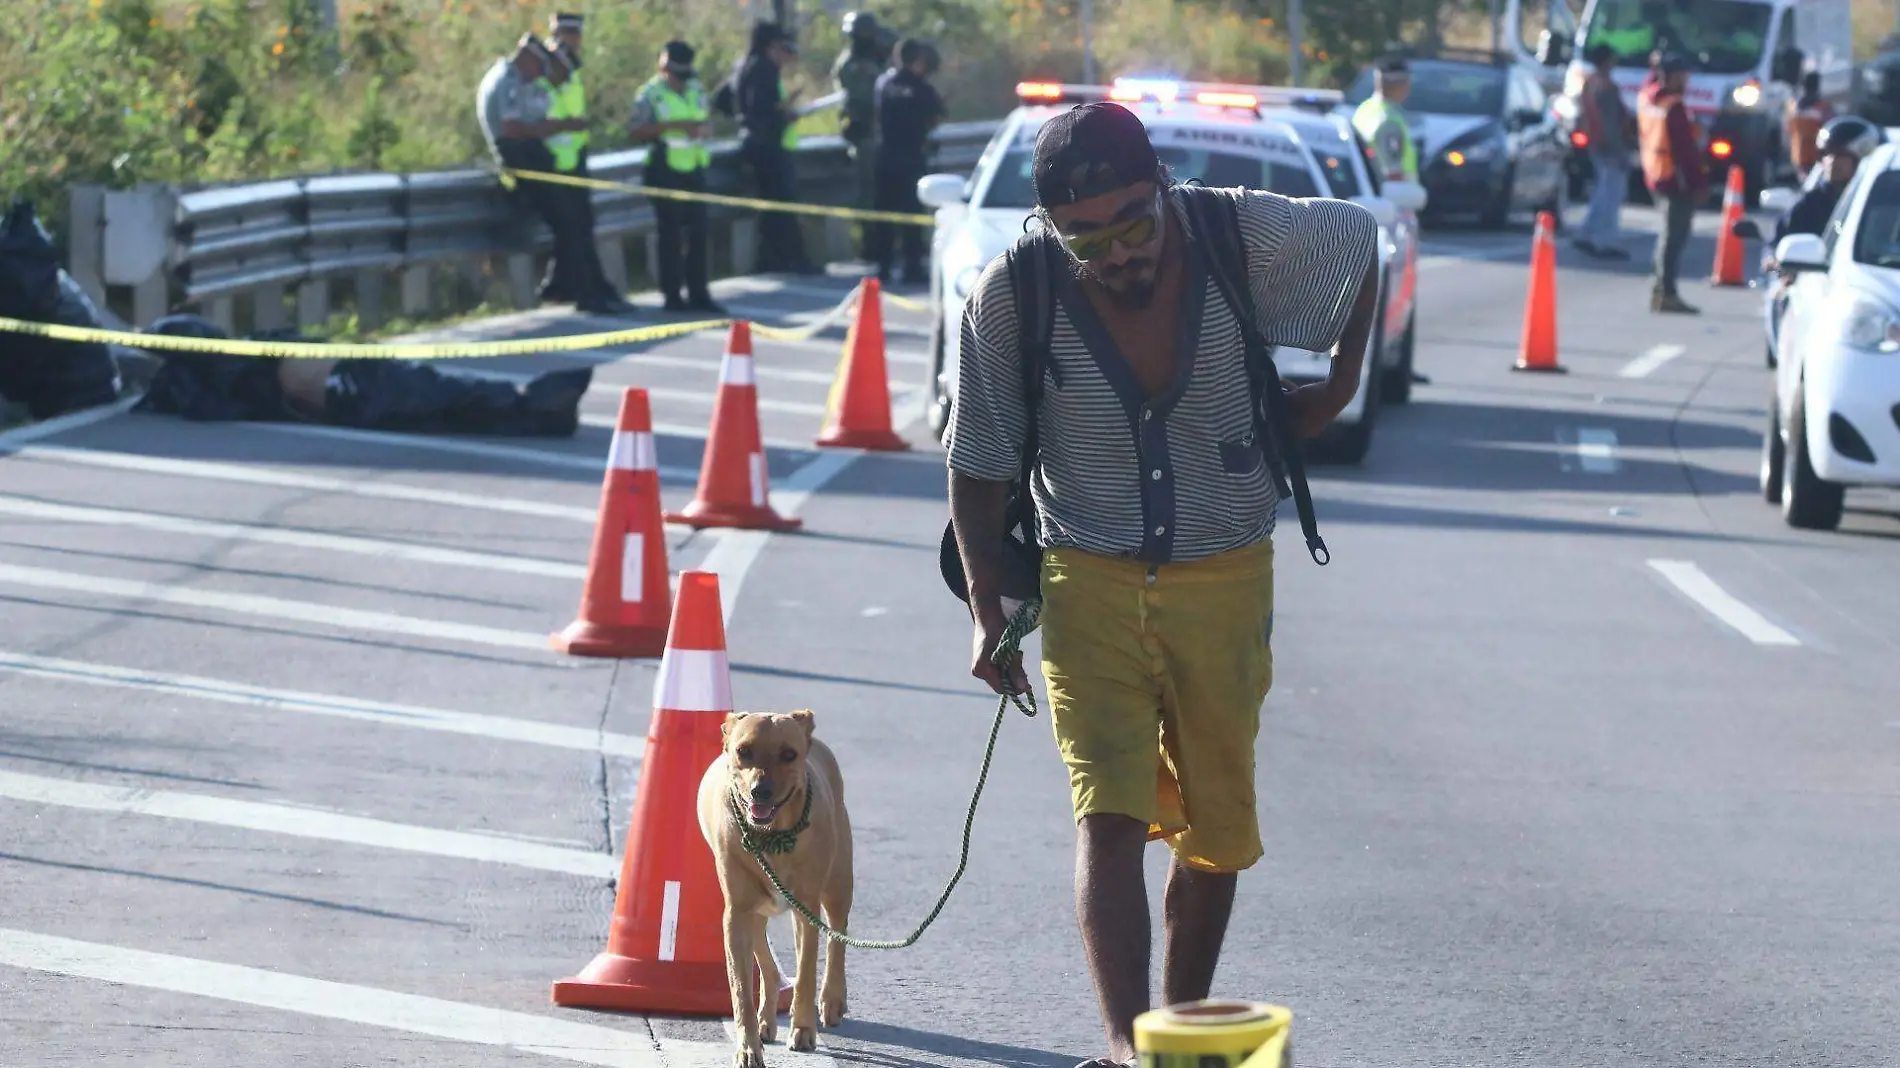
(500, 728)
(1434, 260)
(266, 476)
(687, 363)
(546, 1036)
(272, 607)
(302, 822)
(1700, 588)
(302, 539)
(1596, 450)
(11, 440)
(507, 453)
(1641, 366)
(738, 550)
(700, 433)
(704, 398)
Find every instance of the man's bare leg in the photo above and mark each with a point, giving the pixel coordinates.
(1195, 913)
(1111, 904)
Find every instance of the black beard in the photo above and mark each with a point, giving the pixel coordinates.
(1133, 297)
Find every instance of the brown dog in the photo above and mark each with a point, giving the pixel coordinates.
(774, 776)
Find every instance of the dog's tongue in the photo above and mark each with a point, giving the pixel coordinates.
(761, 813)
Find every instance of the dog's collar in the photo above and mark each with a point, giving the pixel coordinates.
(756, 841)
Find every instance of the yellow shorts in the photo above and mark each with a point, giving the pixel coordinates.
(1156, 678)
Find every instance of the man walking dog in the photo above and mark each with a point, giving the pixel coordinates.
(1153, 434)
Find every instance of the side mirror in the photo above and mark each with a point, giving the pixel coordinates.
(1801, 252)
(1384, 212)
(940, 190)
(1778, 199)
(1746, 230)
(1406, 196)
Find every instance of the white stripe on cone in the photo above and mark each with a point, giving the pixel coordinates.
(669, 920)
(633, 450)
(756, 467)
(693, 680)
(633, 569)
(736, 370)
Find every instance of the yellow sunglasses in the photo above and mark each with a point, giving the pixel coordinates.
(1098, 243)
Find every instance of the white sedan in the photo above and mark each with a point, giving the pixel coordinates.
(1271, 143)
(1835, 420)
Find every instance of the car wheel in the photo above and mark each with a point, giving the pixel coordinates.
(1774, 454)
(1807, 501)
(1397, 385)
(936, 405)
(1498, 213)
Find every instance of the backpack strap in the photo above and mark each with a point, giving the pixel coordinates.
(1029, 264)
(1217, 223)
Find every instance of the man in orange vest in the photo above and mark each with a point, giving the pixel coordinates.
(1674, 170)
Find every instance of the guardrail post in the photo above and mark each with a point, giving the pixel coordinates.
(745, 244)
(521, 283)
(222, 311)
(415, 292)
(267, 307)
(369, 299)
(313, 302)
(85, 240)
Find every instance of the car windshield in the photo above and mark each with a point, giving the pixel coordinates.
(1440, 87)
(1011, 186)
(1877, 243)
(1718, 36)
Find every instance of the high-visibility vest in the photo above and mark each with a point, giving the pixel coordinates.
(684, 152)
(567, 101)
(1372, 116)
(1652, 137)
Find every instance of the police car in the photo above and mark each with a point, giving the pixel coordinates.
(1278, 139)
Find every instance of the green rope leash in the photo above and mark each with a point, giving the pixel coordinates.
(1011, 642)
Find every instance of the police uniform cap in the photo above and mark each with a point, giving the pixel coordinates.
(679, 57)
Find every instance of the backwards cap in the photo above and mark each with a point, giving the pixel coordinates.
(1089, 150)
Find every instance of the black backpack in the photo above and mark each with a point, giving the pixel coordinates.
(1031, 263)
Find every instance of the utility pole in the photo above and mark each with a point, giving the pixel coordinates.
(784, 12)
(1295, 36)
(1088, 42)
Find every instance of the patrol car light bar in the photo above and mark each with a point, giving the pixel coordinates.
(1166, 91)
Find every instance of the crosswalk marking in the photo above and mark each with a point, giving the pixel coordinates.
(274, 607)
(306, 823)
(500, 728)
(547, 1036)
(302, 539)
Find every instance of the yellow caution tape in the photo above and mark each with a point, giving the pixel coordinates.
(307, 350)
(1214, 1034)
(509, 174)
(908, 303)
(321, 350)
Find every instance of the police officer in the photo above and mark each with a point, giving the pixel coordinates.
(908, 108)
(575, 273)
(1381, 120)
(671, 115)
(766, 138)
(855, 73)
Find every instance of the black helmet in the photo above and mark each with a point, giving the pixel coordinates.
(1849, 135)
(186, 325)
(860, 24)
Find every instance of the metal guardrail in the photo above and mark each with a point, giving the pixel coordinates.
(258, 240)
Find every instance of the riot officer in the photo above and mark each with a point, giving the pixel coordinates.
(908, 108)
(671, 116)
(855, 73)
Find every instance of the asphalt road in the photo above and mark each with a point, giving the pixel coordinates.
(1575, 754)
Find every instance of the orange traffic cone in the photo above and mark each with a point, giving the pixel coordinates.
(666, 948)
(626, 602)
(1538, 349)
(858, 414)
(733, 487)
(1728, 248)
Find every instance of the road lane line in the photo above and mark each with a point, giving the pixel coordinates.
(560, 1039)
(212, 470)
(499, 728)
(700, 433)
(1641, 366)
(11, 440)
(272, 607)
(1700, 588)
(509, 453)
(302, 539)
(299, 822)
(711, 367)
(1596, 450)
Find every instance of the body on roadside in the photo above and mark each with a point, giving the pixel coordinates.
(1157, 578)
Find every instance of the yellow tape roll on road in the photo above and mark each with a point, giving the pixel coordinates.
(1215, 1034)
(510, 175)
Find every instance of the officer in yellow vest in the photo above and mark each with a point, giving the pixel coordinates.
(1381, 121)
(671, 117)
(575, 273)
(565, 33)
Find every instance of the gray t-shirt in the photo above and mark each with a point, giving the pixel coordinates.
(505, 96)
(1179, 476)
